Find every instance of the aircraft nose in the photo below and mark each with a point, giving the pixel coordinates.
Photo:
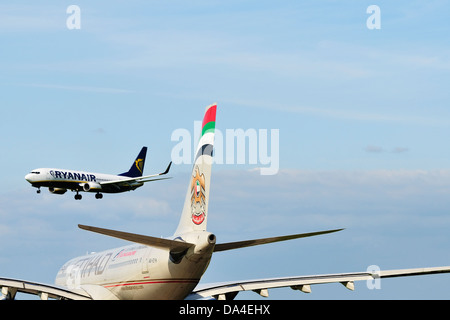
(31, 177)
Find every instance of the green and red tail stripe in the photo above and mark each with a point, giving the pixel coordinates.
(205, 144)
(209, 120)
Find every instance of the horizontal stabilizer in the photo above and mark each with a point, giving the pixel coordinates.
(172, 245)
(249, 243)
(140, 179)
(155, 179)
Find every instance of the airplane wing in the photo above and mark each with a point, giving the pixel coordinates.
(152, 177)
(229, 290)
(9, 288)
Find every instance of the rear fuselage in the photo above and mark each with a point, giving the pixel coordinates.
(137, 272)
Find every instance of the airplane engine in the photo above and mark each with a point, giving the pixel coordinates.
(88, 186)
(57, 190)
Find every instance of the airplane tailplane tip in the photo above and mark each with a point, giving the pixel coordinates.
(137, 168)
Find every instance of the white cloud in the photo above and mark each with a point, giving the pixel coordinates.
(378, 149)
(31, 18)
(374, 149)
(343, 113)
(382, 211)
(81, 88)
(328, 199)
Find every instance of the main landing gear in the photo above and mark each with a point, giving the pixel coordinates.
(97, 196)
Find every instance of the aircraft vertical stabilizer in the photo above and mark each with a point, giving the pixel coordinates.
(137, 168)
(195, 210)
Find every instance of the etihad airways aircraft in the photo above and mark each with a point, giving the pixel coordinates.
(171, 268)
(59, 181)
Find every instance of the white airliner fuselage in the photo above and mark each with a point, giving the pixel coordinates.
(138, 271)
(60, 180)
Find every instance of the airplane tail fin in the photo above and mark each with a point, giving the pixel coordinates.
(137, 168)
(195, 210)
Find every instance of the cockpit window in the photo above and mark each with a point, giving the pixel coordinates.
(35, 172)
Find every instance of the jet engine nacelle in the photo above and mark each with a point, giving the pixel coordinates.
(57, 190)
(88, 186)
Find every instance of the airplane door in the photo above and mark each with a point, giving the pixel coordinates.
(145, 262)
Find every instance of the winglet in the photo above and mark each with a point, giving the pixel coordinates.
(167, 170)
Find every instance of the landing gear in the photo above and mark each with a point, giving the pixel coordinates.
(97, 196)
(38, 190)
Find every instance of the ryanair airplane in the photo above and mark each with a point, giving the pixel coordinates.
(59, 181)
(172, 267)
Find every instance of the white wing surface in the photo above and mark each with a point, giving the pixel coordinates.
(10, 287)
(229, 290)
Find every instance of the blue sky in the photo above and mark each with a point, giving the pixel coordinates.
(362, 115)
